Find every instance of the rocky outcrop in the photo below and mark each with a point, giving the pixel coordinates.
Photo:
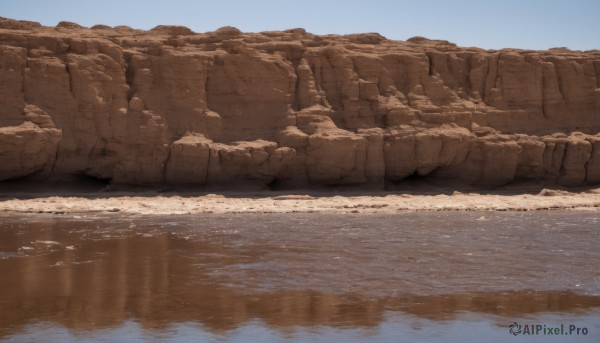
(170, 105)
(27, 149)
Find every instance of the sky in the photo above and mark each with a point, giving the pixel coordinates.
(528, 24)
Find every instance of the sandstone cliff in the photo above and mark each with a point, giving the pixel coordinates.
(172, 106)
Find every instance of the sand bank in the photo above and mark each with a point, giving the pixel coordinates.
(160, 204)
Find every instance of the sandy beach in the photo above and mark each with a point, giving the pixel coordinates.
(273, 202)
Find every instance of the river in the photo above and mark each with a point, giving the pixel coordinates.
(411, 276)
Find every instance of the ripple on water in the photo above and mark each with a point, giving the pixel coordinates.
(312, 272)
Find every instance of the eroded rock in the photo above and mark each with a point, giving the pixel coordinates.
(27, 149)
(170, 105)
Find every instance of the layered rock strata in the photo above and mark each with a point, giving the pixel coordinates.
(173, 106)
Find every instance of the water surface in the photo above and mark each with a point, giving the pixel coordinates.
(299, 277)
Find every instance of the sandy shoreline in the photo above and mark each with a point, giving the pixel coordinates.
(161, 204)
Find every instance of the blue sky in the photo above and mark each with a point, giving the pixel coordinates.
(533, 24)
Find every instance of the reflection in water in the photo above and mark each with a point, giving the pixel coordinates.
(218, 275)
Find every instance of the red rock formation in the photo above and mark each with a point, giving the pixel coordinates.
(172, 106)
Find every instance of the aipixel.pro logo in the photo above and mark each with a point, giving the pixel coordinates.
(546, 330)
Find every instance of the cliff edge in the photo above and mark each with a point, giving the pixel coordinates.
(171, 106)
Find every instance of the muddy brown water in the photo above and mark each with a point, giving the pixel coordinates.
(434, 277)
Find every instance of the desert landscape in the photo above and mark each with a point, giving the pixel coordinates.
(292, 110)
(162, 184)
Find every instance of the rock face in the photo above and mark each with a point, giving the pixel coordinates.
(172, 106)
